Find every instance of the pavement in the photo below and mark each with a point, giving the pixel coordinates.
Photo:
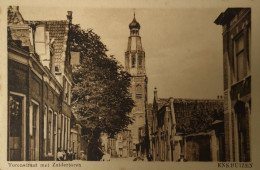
(122, 159)
(128, 159)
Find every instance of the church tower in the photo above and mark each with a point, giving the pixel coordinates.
(135, 65)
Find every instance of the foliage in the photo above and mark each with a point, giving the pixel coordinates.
(200, 117)
(100, 99)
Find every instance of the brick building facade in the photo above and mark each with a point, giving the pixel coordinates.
(38, 95)
(236, 24)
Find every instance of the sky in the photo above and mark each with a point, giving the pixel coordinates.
(183, 46)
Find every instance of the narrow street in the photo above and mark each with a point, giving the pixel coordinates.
(122, 159)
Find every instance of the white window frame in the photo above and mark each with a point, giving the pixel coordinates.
(37, 126)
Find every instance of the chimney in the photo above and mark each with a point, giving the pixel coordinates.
(69, 16)
(155, 94)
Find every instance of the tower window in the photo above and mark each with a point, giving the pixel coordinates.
(133, 61)
(139, 60)
(138, 96)
(57, 69)
(138, 91)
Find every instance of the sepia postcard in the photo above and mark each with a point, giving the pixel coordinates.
(128, 85)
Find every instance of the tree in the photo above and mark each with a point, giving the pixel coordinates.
(100, 99)
(201, 117)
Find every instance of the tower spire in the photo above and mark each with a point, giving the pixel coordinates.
(134, 12)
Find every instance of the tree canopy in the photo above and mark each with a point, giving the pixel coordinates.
(100, 99)
(200, 117)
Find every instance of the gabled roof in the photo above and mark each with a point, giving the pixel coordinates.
(160, 102)
(14, 16)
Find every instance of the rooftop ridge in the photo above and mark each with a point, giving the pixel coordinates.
(194, 99)
(46, 20)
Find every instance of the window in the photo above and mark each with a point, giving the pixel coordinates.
(138, 96)
(33, 131)
(127, 61)
(241, 63)
(65, 132)
(69, 94)
(45, 130)
(68, 133)
(62, 132)
(67, 89)
(133, 61)
(140, 61)
(54, 131)
(57, 69)
(15, 128)
(138, 91)
(50, 133)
